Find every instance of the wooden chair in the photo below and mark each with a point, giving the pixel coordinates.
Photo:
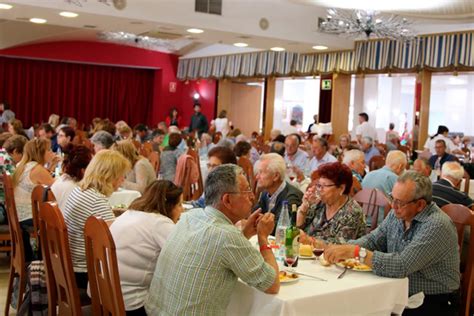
(102, 268)
(376, 162)
(40, 194)
(247, 166)
(195, 154)
(17, 263)
(5, 239)
(462, 217)
(372, 202)
(63, 293)
(356, 186)
(154, 158)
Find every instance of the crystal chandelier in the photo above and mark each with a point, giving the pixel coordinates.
(366, 24)
(130, 39)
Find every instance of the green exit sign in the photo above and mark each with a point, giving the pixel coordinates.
(326, 84)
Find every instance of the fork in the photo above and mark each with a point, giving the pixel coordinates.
(343, 273)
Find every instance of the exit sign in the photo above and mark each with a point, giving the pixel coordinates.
(326, 84)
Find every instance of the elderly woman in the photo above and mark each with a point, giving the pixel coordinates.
(139, 236)
(102, 140)
(76, 159)
(333, 216)
(142, 173)
(102, 177)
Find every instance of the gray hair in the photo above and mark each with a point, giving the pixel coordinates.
(276, 164)
(222, 179)
(452, 169)
(396, 158)
(352, 155)
(423, 188)
(103, 138)
(367, 140)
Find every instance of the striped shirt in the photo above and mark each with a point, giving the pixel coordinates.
(445, 193)
(198, 267)
(426, 253)
(80, 205)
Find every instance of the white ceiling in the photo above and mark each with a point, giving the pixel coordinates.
(292, 23)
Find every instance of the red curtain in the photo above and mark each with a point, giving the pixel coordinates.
(35, 89)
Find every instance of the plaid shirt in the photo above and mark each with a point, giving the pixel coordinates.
(426, 253)
(198, 267)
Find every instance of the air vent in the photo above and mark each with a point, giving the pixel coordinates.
(209, 6)
(162, 35)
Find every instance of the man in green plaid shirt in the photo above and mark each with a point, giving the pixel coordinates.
(198, 267)
(417, 240)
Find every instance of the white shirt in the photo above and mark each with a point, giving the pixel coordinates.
(366, 130)
(222, 125)
(314, 163)
(299, 159)
(430, 144)
(22, 193)
(139, 238)
(62, 188)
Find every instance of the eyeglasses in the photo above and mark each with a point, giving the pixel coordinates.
(398, 203)
(320, 186)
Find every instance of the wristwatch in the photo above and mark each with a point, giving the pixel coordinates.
(362, 254)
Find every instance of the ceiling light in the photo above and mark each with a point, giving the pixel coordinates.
(4, 6)
(241, 44)
(366, 24)
(277, 49)
(38, 20)
(68, 14)
(320, 47)
(195, 31)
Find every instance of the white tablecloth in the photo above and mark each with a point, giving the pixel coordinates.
(123, 197)
(358, 293)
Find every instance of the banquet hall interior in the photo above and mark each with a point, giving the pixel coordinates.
(339, 79)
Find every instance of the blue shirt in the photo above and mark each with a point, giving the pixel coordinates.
(383, 179)
(299, 159)
(370, 153)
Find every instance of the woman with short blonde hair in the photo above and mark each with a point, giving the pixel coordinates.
(104, 174)
(142, 173)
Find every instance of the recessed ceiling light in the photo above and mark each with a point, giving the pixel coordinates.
(4, 6)
(38, 20)
(241, 44)
(195, 31)
(68, 14)
(320, 47)
(277, 49)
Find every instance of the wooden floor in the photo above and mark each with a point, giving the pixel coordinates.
(4, 269)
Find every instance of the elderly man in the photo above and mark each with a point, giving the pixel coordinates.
(369, 149)
(319, 147)
(441, 156)
(271, 174)
(422, 166)
(445, 190)
(204, 256)
(101, 140)
(293, 155)
(384, 178)
(417, 240)
(354, 159)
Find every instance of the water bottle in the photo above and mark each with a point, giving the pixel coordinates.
(282, 225)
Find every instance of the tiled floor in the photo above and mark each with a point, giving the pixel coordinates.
(4, 270)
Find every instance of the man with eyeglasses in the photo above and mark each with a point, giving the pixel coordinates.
(417, 240)
(206, 254)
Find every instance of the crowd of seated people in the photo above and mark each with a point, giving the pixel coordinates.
(310, 171)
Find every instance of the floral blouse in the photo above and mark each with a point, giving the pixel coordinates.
(348, 223)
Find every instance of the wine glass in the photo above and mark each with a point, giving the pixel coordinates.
(290, 259)
(290, 172)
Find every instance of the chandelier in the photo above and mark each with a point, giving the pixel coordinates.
(131, 39)
(366, 24)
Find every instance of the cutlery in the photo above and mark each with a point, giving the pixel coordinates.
(307, 275)
(343, 273)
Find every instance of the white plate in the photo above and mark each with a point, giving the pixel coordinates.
(341, 265)
(290, 280)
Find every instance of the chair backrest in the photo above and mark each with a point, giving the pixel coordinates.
(372, 202)
(102, 268)
(247, 166)
(61, 282)
(154, 159)
(18, 251)
(467, 181)
(195, 154)
(462, 217)
(356, 186)
(41, 193)
(376, 162)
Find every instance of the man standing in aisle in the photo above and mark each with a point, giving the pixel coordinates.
(198, 121)
(365, 129)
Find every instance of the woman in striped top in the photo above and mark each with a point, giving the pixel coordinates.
(102, 177)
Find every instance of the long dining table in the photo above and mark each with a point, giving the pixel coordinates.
(357, 293)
